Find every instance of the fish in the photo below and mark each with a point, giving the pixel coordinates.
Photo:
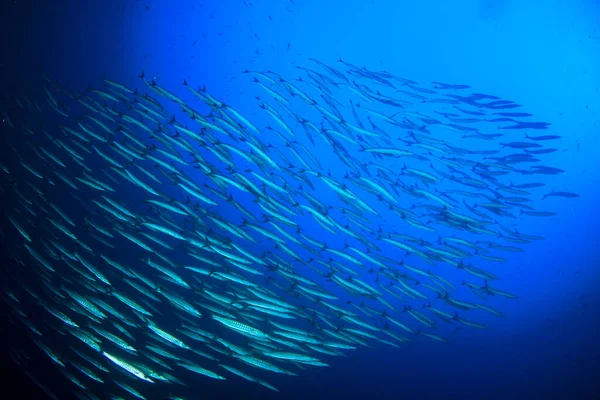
(560, 194)
(520, 145)
(544, 137)
(172, 230)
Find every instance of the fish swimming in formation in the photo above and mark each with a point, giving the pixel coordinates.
(168, 233)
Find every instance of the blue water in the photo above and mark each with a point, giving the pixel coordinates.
(543, 55)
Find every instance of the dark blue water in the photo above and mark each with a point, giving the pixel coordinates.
(543, 56)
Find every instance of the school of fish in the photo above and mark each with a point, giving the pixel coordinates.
(171, 237)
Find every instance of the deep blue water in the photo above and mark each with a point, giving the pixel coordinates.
(545, 56)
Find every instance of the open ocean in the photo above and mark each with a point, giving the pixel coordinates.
(300, 199)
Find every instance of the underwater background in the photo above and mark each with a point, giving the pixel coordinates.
(544, 56)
